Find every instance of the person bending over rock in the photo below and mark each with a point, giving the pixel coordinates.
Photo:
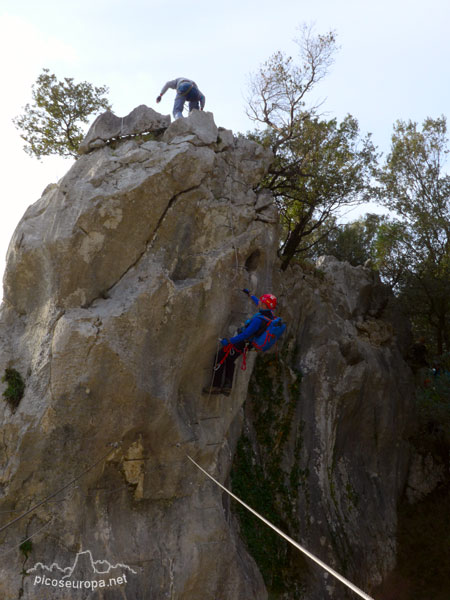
(186, 90)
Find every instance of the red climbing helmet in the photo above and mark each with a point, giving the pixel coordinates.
(269, 300)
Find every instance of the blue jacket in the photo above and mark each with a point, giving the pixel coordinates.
(252, 325)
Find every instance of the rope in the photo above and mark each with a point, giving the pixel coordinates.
(342, 579)
(33, 508)
(229, 350)
(28, 538)
(244, 359)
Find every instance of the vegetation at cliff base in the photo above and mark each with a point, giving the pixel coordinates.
(259, 478)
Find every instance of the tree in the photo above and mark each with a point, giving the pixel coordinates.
(355, 242)
(416, 247)
(320, 165)
(51, 125)
(279, 89)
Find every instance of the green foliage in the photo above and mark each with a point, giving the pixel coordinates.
(391, 251)
(413, 250)
(413, 178)
(278, 91)
(15, 389)
(51, 124)
(320, 166)
(267, 548)
(354, 242)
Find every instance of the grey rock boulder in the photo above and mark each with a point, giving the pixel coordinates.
(198, 128)
(108, 126)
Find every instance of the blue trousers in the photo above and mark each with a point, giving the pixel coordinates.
(179, 105)
(186, 92)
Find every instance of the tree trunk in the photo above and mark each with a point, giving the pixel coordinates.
(294, 240)
(291, 246)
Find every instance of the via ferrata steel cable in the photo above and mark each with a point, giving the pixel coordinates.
(335, 574)
(64, 487)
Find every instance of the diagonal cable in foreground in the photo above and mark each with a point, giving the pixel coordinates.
(64, 487)
(335, 574)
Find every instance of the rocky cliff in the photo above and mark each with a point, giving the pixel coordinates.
(119, 281)
(325, 448)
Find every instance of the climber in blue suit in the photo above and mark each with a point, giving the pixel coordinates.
(232, 348)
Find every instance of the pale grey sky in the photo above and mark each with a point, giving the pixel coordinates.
(393, 63)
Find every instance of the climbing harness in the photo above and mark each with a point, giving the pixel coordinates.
(335, 574)
(244, 359)
(263, 340)
(267, 341)
(185, 92)
(229, 350)
(268, 337)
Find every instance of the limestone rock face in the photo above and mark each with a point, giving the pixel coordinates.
(356, 402)
(108, 126)
(327, 426)
(119, 282)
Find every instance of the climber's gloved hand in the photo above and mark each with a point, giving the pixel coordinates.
(158, 99)
(246, 291)
(224, 342)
